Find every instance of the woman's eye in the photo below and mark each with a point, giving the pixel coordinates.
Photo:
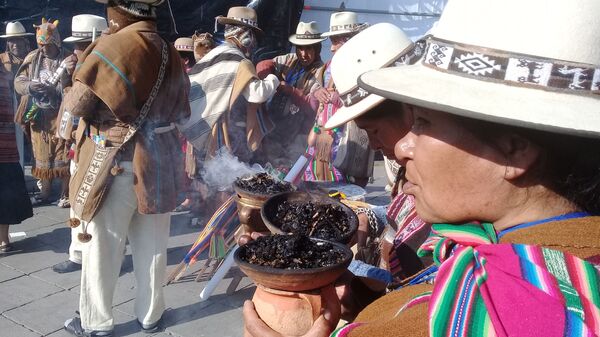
(419, 123)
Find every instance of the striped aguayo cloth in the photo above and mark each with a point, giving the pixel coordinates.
(489, 289)
(212, 81)
(8, 141)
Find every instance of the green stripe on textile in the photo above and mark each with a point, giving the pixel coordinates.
(479, 320)
(452, 286)
(591, 276)
(119, 72)
(555, 262)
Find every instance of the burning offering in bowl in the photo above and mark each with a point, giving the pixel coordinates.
(314, 215)
(292, 252)
(263, 183)
(291, 273)
(251, 193)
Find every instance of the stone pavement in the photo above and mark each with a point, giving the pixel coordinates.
(35, 301)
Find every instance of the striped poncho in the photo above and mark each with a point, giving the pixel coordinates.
(217, 83)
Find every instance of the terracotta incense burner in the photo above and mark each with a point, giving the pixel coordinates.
(249, 204)
(290, 300)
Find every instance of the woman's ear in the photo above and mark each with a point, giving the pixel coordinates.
(520, 153)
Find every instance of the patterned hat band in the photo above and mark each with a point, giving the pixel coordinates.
(183, 46)
(85, 34)
(512, 68)
(343, 27)
(406, 57)
(308, 36)
(244, 20)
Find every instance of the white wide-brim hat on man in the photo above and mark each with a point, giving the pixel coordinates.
(307, 33)
(378, 46)
(524, 63)
(342, 23)
(15, 29)
(184, 44)
(84, 26)
(240, 16)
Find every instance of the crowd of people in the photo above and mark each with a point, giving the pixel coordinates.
(491, 229)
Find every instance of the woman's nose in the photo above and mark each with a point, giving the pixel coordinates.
(404, 148)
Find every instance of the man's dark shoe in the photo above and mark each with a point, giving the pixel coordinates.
(66, 267)
(73, 326)
(151, 328)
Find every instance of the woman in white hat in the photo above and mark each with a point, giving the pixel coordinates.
(379, 46)
(17, 47)
(290, 108)
(323, 144)
(505, 132)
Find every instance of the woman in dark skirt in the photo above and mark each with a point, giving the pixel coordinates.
(15, 205)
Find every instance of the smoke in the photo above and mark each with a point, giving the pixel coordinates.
(220, 172)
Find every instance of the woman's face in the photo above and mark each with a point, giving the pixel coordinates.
(452, 174)
(385, 132)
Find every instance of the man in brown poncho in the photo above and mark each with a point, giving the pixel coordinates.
(129, 89)
(40, 81)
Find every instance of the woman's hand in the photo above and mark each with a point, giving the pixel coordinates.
(322, 327)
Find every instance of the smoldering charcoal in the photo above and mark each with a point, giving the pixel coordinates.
(323, 221)
(263, 183)
(291, 252)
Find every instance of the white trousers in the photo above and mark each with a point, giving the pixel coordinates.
(76, 245)
(117, 221)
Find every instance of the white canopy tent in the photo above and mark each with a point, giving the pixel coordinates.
(414, 17)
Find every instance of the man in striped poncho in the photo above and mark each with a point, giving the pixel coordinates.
(225, 93)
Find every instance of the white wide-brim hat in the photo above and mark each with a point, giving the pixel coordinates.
(378, 46)
(84, 26)
(15, 29)
(342, 23)
(185, 44)
(307, 33)
(480, 66)
(240, 16)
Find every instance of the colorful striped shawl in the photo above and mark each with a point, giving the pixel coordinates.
(489, 289)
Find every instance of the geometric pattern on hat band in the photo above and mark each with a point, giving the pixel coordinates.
(512, 68)
(84, 34)
(183, 46)
(246, 21)
(406, 57)
(343, 27)
(308, 36)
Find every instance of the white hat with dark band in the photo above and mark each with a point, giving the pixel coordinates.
(15, 29)
(541, 71)
(307, 33)
(84, 26)
(342, 23)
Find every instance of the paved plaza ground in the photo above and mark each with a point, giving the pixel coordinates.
(35, 301)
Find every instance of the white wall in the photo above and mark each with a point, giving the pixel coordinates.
(414, 26)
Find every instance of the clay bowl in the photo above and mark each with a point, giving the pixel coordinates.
(295, 279)
(251, 197)
(269, 209)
